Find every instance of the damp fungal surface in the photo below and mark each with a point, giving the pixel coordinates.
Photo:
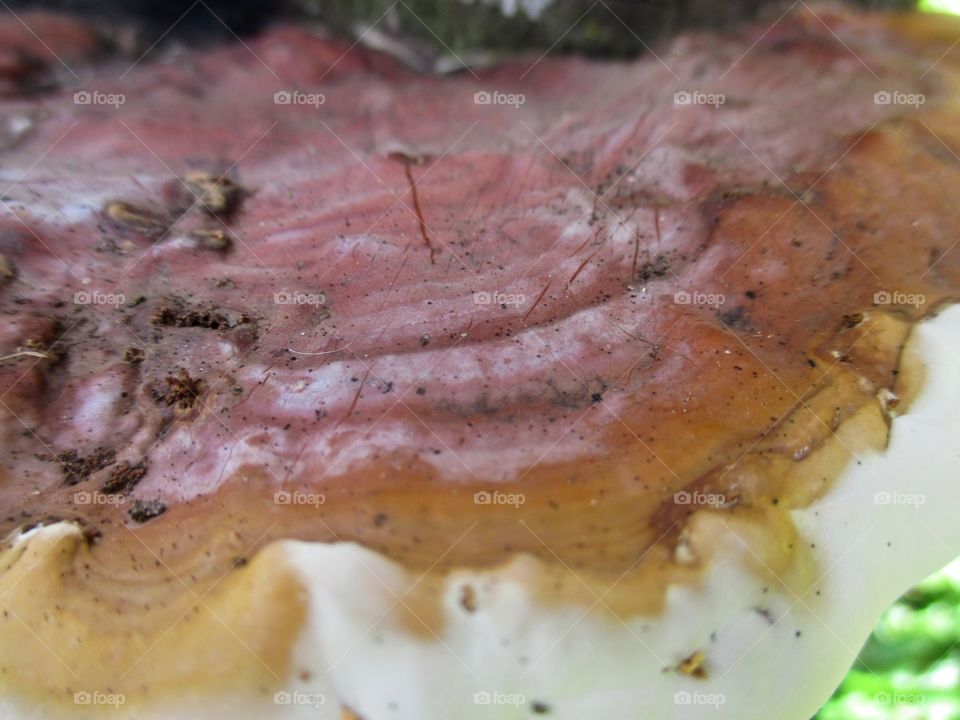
(392, 309)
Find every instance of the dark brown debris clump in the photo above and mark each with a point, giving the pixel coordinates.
(135, 218)
(76, 469)
(217, 194)
(176, 313)
(693, 666)
(182, 390)
(144, 510)
(53, 352)
(206, 318)
(124, 477)
(851, 321)
(213, 239)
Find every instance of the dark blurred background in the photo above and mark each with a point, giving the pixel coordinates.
(603, 28)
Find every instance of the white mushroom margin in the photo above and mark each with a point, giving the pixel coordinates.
(889, 521)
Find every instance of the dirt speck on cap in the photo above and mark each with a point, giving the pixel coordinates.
(144, 510)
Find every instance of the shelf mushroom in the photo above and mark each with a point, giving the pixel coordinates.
(564, 388)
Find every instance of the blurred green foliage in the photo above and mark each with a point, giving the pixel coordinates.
(910, 667)
(943, 6)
